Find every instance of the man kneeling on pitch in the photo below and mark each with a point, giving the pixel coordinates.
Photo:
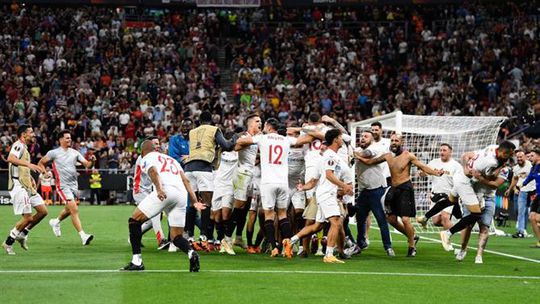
(169, 195)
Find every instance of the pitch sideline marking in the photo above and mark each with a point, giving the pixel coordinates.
(240, 271)
(517, 257)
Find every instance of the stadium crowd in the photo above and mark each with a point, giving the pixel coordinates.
(83, 69)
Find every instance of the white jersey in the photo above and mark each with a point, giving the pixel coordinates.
(522, 172)
(296, 163)
(444, 183)
(223, 177)
(167, 168)
(485, 161)
(312, 154)
(383, 145)
(247, 157)
(325, 188)
(142, 184)
(371, 177)
(274, 149)
(345, 151)
(45, 180)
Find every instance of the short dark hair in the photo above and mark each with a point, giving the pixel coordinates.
(187, 120)
(376, 124)
(250, 117)
(507, 145)
(151, 138)
(22, 129)
(536, 150)
(331, 135)
(62, 133)
(446, 145)
(273, 122)
(205, 117)
(367, 131)
(314, 117)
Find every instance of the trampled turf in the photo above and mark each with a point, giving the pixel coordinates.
(61, 270)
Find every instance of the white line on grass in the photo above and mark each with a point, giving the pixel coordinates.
(517, 257)
(249, 271)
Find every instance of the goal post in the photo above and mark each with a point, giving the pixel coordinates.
(423, 136)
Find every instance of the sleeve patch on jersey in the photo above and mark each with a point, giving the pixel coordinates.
(331, 162)
(17, 148)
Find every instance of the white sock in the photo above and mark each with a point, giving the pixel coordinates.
(14, 233)
(156, 225)
(228, 239)
(190, 253)
(294, 239)
(329, 251)
(146, 226)
(82, 234)
(136, 260)
(57, 220)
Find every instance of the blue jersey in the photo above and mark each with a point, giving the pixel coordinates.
(534, 174)
(178, 148)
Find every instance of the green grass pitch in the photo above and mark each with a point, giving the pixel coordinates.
(61, 270)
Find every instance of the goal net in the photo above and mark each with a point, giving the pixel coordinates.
(423, 135)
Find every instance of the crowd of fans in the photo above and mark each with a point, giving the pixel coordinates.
(87, 70)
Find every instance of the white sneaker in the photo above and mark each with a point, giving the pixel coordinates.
(87, 239)
(319, 252)
(172, 248)
(460, 256)
(227, 247)
(22, 241)
(55, 225)
(445, 238)
(9, 249)
(300, 250)
(478, 260)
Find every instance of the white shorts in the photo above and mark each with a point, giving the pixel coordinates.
(138, 197)
(465, 190)
(22, 201)
(327, 208)
(298, 198)
(274, 195)
(223, 201)
(174, 206)
(201, 181)
(242, 183)
(255, 203)
(311, 172)
(67, 194)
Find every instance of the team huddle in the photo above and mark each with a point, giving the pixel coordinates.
(297, 181)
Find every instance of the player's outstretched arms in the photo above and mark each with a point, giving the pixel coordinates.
(425, 168)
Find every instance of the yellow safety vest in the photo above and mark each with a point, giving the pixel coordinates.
(202, 143)
(95, 185)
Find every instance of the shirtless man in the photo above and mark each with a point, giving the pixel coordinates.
(399, 201)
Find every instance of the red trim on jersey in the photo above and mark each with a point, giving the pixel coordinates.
(137, 182)
(57, 177)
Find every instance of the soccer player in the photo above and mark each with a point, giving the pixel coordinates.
(171, 188)
(521, 193)
(487, 163)
(22, 189)
(399, 199)
(255, 210)
(203, 142)
(64, 161)
(328, 185)
(222, 200)
(441, 188)
(371, 185)
(242, 180)
(485, 189)
(142, 187)
(296, 176)
(274, 149)
(534, 216)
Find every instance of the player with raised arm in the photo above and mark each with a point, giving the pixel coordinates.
(142, 187)
(487, 163)
(274, 149)
(23, 190)
(399, 200)
(329, 185)
(64, 163)
(171, 189)
(441, 188)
